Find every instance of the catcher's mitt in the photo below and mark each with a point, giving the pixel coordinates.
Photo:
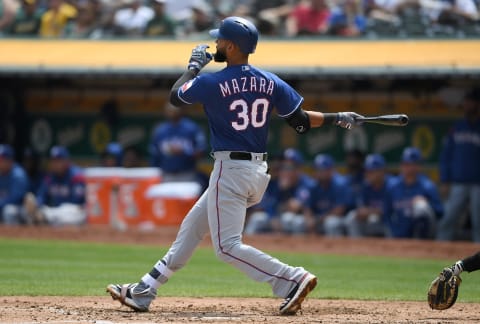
(443, 291)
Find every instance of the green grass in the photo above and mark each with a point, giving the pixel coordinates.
(29, 267)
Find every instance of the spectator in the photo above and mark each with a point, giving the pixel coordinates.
(61, 197)
(133, 18)
(201, 20)
(271, 15)
(176, 145)
(161, 24)
(84, 25)
(13, 187)
(56, 18)
(328, 200)
(285, 199)
(226, 8)
(460, 172)
(32, 165)
(27, 20)
(347, 18)
(366, 219)
(310, 18)
(412, 202)
(8, 8)
(457, 12)
(112, 156)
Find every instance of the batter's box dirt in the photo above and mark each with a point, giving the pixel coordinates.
(103, 310)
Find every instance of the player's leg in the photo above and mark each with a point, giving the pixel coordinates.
(471, 263)
(475, 212)
(237, 186)
(334, 225)
(454, 207)
(192, 230)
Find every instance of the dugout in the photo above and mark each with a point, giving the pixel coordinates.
(83, 94)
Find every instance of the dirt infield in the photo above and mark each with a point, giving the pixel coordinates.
(103, 310)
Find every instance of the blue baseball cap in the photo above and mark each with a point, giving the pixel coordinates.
(291, 154)
(411, 155)
(323, 162)
(374, 162)
(6, 151)
(59, 152)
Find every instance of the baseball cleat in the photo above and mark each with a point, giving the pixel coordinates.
(292, 304)
(137, 296)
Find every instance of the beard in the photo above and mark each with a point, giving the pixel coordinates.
(219, 57)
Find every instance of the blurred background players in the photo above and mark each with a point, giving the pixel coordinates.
(328, 199)
(281, 208)
(460, 171)
(176, 145)
(366, 219)
(61, 197)
(112, 156)
(13, 187)
(412, 202)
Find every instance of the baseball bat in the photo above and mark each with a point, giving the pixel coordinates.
(389, 120)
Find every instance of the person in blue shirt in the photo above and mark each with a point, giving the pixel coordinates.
(281, 208)
(13, 187)
(61, 197)
(176, 145)
(366, 219)
(412, 203)
(460, 171)
(328, 200)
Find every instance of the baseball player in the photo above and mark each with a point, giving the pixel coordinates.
(412, 203)
(328, 199)
(443, 291)
(61, 196)
(13, 187)
(176, 145)
(366, 219)
(238, 101)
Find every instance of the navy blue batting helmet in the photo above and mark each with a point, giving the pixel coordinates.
(238, 30)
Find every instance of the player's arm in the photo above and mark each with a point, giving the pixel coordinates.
(186, 76)
(302, 120)
(199, 58)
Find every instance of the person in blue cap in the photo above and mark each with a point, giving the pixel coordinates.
(281, 208)
(13, 187)
(366, 219)
(412, 202)
(112, 156)
(328, 200)
(61, 197)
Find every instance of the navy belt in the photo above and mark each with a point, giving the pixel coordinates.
(247, 156)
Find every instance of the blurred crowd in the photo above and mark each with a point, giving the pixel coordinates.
(187, 19)
(368, 198)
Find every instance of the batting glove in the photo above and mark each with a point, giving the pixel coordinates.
(199, 58)
(347, 119)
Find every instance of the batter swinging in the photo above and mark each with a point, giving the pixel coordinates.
(238, 101)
